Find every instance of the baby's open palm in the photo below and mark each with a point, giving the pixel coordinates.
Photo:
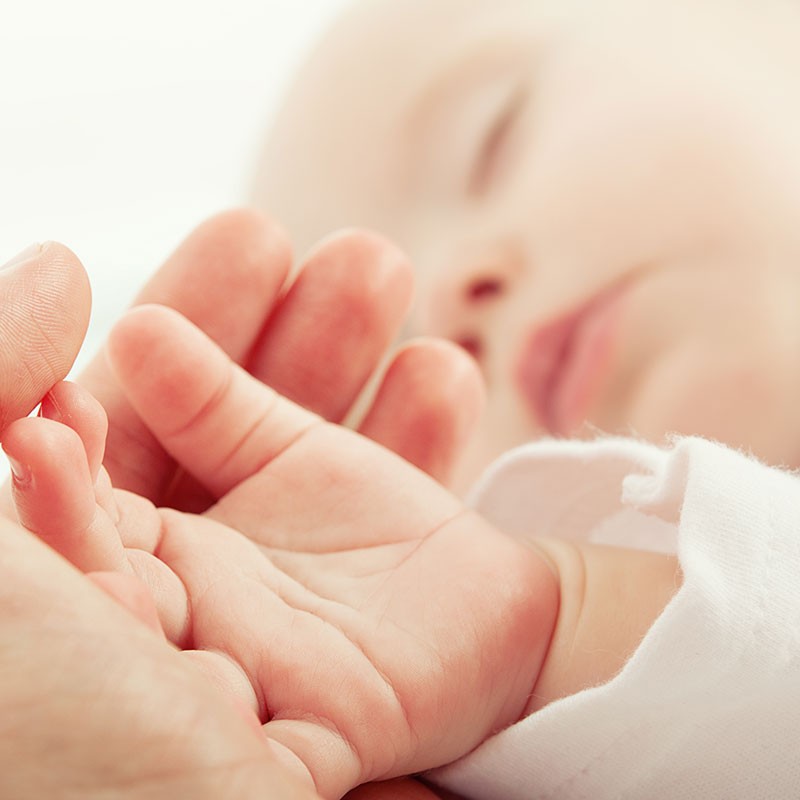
(376, 626)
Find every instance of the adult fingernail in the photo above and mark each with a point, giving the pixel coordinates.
(20, 471)
(24, 255)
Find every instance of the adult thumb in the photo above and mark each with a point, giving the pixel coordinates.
(45, 302)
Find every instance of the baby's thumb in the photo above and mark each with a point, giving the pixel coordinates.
(44, 312)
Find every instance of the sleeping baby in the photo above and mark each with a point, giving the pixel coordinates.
(600, 202)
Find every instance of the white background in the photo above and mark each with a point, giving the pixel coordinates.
(122, 125)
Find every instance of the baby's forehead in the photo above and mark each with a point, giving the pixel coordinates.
(339, 148)
(398, 47)
(380, 56)
(374, 63)
(346, 113)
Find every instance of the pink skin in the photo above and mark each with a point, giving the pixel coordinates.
(54, 742)
(415, 411)
(319, 539)
(301, 590)
(531, 156)
(42, 324)
(45, 301)
(229, 277)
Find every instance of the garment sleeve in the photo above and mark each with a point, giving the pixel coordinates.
(708, 706)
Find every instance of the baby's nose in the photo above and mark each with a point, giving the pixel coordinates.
(483, 288)
(458, 296)
(465, 299)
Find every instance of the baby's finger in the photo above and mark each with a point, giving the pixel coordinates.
(337, 320)
(427, 406)
(225, 277)
(218, 421)
(73, 406)
(54, 495)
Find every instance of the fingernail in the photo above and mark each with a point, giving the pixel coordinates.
(20, 471)
(24, 255)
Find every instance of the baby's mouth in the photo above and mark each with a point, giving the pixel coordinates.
(563, 362)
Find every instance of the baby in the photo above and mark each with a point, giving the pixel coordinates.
(601, 203)
(600, 199)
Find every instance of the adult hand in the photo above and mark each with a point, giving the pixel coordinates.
(94, 705)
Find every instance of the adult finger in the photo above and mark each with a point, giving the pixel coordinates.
(44, 312)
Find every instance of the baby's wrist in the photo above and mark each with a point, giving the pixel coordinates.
(532, 597)
(608, 599)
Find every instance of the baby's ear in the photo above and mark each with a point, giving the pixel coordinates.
(75, 407)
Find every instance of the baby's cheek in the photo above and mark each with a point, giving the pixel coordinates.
(738, 399)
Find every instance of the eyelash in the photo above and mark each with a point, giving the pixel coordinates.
(493, 144)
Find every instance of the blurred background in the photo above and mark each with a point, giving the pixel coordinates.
(124, 125)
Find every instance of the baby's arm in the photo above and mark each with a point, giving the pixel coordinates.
(609, 598)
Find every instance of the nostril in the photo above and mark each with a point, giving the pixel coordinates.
(484, 288)
(471, 344)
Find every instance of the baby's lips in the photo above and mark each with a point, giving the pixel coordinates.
(563, 363)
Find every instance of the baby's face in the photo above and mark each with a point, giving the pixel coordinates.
(599, 201)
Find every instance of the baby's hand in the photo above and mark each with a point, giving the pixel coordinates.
(376, 626)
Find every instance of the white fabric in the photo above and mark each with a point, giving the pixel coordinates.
(709, 704)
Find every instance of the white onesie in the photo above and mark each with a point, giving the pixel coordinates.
(709, 704)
